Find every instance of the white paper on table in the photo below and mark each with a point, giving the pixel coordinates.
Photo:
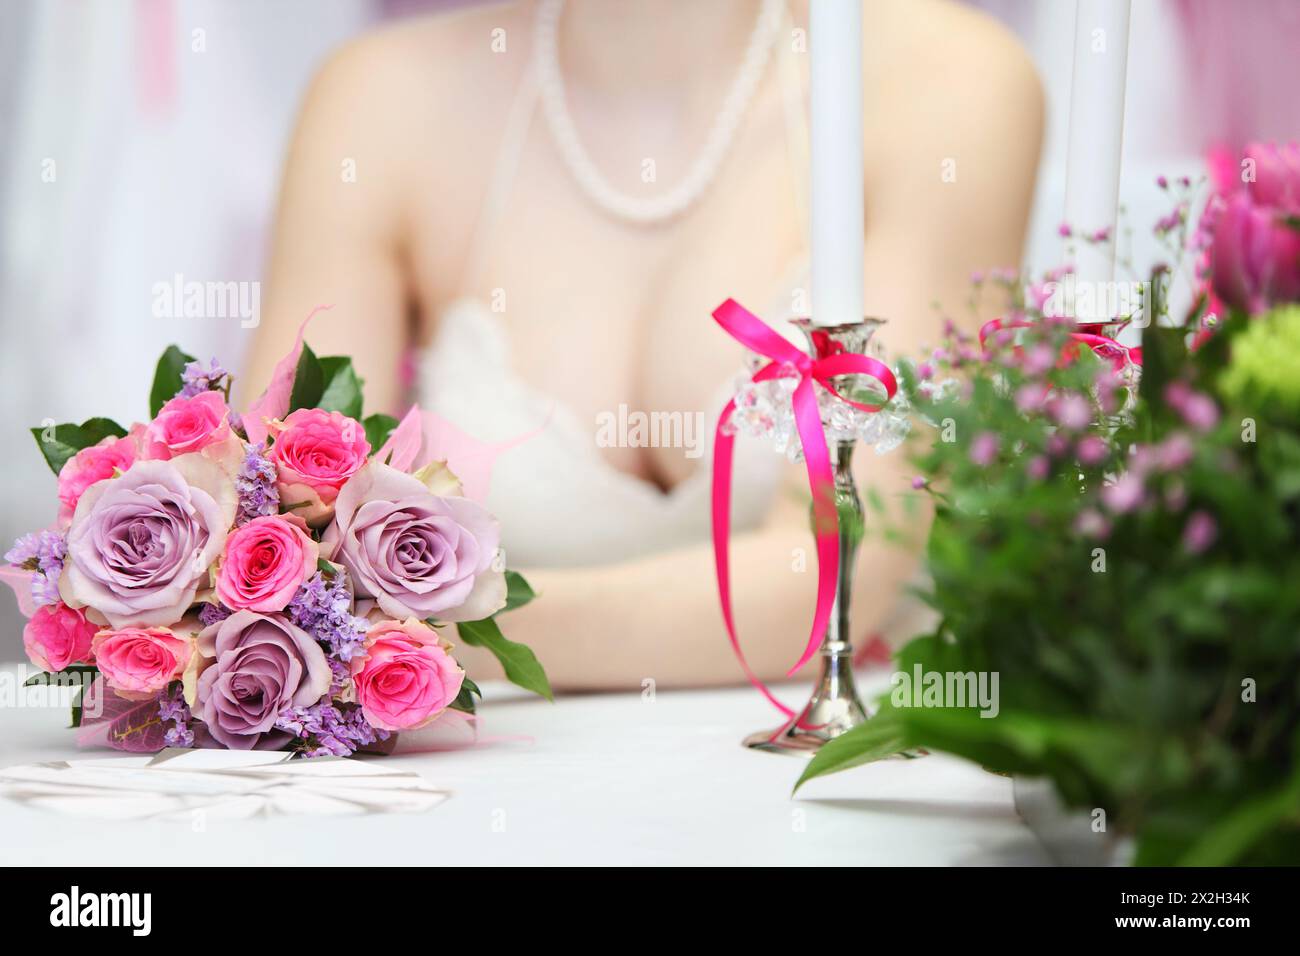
(223, 784)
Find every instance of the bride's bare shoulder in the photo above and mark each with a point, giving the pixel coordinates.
(432, 71)
(949, 78)
(943, 50)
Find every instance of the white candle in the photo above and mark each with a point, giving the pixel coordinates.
(1096, 139)
(835, 46)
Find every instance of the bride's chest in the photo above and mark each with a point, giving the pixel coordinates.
(612, 322)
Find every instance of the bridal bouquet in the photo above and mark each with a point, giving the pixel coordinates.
(1125, 555)
(283, 579)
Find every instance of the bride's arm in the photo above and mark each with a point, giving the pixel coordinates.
(337, 236)
(658, 618)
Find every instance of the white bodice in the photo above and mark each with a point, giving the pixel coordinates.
(560, 502)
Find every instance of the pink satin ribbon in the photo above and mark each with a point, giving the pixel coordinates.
(1089, 335)
(749, 330)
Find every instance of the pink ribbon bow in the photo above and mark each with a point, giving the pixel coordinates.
(1089, 335)
(829, 362)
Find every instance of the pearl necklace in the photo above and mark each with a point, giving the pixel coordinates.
(675, 201)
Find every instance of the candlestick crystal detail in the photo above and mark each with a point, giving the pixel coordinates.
(834, 706)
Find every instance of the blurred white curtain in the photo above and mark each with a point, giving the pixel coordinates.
(165, 150)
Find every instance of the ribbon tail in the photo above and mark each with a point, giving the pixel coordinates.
(722, 454)
(825, 519)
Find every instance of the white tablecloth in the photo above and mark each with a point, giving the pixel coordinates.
(606, 779)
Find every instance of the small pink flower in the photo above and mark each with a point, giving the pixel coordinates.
(984, 449)
(186, 425)
(1091, 523)
(1057, 445)
(1091, 450)
(1039, 359)
(1037, 467)
(110, 456)
(138, 662)
(1072, 411)
(57, 636)
(1196, 408)
(919, 482)
(405, 678)
(265, 562)
(925, 371)
(1031, 397)
(1124, 494)
(1200, 532)
(315, 453)
(1174, 452)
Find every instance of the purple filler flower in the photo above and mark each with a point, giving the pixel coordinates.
(255, 483)
(196, 378)
(173, 709)
(42, 553)
(329, 730)
(324, 610)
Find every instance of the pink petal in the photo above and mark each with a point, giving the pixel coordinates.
(274, 402)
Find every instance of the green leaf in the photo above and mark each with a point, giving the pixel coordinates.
(342, 391)
(464, 701)
(520, 664)
(518, 591)
(308, 381)
(881, 736)
(58, 443)
(78, 705)
(167, 378)
(378, 427)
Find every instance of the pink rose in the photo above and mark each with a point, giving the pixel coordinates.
(315, 453)
(187, 424)
(265, 562)
(138, 662)
(1277, 175)
(405, 677)
(91, 465)
(57, 636)
(1255, 258)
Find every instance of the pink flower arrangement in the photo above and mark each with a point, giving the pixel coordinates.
(1255, 243)
(204, 578)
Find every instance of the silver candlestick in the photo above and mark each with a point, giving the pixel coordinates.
(834, 706)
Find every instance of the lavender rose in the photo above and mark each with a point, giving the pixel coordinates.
(257, 665)
(140, 545)
(416, 553)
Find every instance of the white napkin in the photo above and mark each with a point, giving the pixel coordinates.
(181, 785)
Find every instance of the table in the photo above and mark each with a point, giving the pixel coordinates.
(606, 779)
